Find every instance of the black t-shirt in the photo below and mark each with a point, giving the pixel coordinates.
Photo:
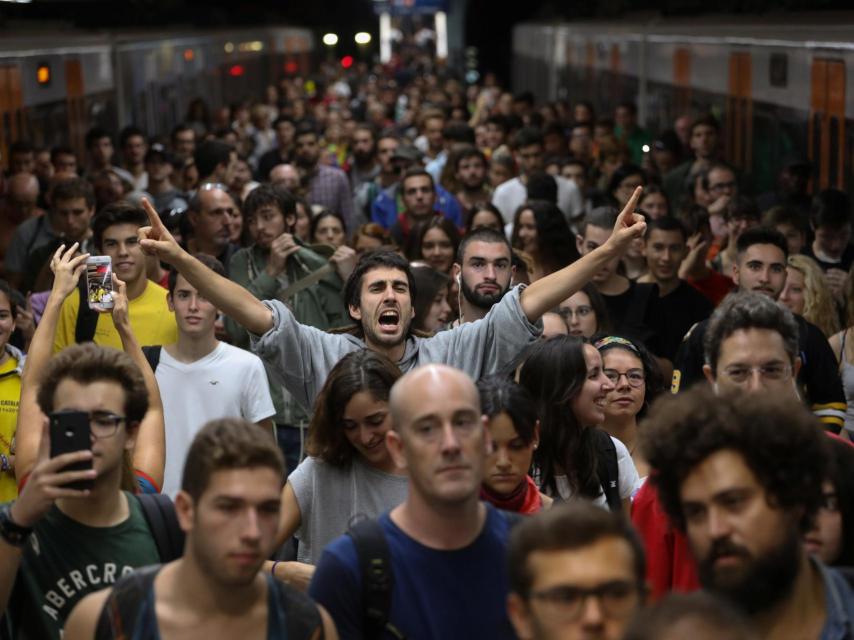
(818, 379)
(618, 308)
(670, 317)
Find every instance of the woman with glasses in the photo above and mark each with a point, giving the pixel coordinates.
(636, 380)
(585, 313)
(575, 458)
(514, 430)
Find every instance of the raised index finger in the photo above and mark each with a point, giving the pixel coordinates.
(153, 216)
(626, 217)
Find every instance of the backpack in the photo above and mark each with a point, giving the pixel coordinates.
(159, 512)
(608, 470)
(374, 560)
(119, 618)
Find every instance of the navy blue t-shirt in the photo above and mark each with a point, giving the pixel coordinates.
(436, 594)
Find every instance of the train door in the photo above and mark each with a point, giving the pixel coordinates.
(11, 107)
(739, 111)
(826, 132)
(682, 82)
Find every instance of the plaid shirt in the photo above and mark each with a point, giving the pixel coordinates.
(330, 188)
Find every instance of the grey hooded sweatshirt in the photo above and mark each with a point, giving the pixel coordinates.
(301, 357)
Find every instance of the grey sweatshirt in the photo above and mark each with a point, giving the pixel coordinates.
(301, 357)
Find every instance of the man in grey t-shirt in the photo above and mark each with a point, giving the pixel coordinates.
(379, 296)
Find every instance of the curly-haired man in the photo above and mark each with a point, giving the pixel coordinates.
(743, 481)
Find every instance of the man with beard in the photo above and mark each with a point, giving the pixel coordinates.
(760, 266)
(326, 186)
(379, 295)
(470, 175)
(363, 162)
(743, 481)
(483, 271)
(228, 508)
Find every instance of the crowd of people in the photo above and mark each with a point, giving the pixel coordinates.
(388, 357)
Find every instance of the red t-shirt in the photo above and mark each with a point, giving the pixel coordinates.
(714, 286)
(669, 563)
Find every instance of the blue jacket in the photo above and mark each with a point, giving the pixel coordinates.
(388, 206)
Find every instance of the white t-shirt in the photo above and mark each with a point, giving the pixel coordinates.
(627, 477)
(227, 383)
(512, 194)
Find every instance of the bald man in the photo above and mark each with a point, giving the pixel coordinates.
(446, 548)
(285, 175)
(21, 203)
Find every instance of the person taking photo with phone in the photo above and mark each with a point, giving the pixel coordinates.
(57, 543)
(114, 232)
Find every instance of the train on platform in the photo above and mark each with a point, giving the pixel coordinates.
(778, 85)
(53, 88)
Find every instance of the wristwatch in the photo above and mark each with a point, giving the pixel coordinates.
(13, 534)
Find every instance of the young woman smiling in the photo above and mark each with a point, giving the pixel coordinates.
(566, 378)
(348, 470)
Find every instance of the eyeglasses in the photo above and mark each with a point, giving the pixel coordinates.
(582, 311)
(775, 371)
(635, 377)
(617, 599)
(104, 424)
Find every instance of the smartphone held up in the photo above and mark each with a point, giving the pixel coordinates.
(70, 432)
(99, 282)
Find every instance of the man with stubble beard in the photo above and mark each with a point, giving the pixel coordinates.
(483, 272)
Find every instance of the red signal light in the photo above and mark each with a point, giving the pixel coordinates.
(236, 71)
(291, 66)
(347, 62)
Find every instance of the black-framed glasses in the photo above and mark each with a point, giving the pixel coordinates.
(104, 424)
(617, 598)
(635, 377)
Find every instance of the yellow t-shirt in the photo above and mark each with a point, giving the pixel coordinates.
(10, 396)
(150, 319)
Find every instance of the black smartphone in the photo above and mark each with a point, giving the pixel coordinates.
(70, 432)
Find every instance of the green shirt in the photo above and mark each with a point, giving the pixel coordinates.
(65, 561)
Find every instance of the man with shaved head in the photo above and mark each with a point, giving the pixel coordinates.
(445, 547)
(287, 176)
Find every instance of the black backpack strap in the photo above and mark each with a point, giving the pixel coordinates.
(87, 319)
(162, 520)
(377, 578)
(118, 617)
(152, 354)
(608, 470)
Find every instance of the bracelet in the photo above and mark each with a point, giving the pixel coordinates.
(273, 568)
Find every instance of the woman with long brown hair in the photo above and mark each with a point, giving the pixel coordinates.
(348, 471)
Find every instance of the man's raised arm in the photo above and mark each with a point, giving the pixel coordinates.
(227, 296)
(548, 292)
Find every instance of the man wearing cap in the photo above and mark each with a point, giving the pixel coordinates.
(390, 204)
(159, 166)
